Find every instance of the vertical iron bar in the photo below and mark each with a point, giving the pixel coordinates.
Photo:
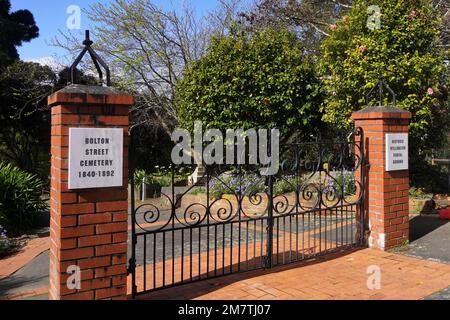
(182, 255)
(154, 260)
(208, 223)
(164, 259)
(284, 239)
(199, 252)
(215, 250)
(223, 248)
(278, 240)
(362, 182)
(303, 235)
(231, 247)
(325, 225)
(290, 238)
(342, 204)
(240, 200)
(309, 234)
(342, 226)
(262, 261)
(132, 263)
(346, 224)
(336, 226)
(174, 198)
(352, 238)
(254, 243)
(246, 251)
(145, 262)
(239, 244)
(190, 254)
(320, 208)
(269, 246)
(296, 236)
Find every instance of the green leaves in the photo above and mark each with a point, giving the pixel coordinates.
(20, 199)
(15, 28)
(251, 81)
(404, 51)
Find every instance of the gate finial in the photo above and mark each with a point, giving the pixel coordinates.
(380, 85)
(95, 59)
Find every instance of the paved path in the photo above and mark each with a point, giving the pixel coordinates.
(337, 276)
(430, 239)
(24, 282)
(422, 271)
(26, 273)
(33, 248)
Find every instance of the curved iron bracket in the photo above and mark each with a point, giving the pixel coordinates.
(380, 85)
(96, 59)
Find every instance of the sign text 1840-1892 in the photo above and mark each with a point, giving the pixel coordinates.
(95, 158)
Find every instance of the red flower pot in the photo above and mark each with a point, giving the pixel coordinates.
(444, 214)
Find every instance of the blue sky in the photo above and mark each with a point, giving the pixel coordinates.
(50, 15)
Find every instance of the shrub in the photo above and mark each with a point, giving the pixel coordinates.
(286, 185)
(418, 193)
(247, 183)
(198, 191)
(251, 184)
(262, 80)
(20, 199)
(160, 176)
(405, 52)
(342, 185)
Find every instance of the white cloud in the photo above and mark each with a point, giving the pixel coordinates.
(51, 62)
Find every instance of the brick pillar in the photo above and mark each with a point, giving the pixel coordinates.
(386, 192)
(88, 226)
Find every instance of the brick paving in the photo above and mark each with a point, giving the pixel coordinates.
(339, 276)
(26, 294)
(287, 248)
(32, 249)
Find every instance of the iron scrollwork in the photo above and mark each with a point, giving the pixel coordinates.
(312, 177)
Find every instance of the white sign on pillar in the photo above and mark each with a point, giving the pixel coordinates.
(397, 152)
(95, 158)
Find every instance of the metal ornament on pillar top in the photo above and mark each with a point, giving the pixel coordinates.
(380, 86)
(96, 59)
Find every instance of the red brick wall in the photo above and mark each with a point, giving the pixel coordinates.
(386, 194)
(88, 228)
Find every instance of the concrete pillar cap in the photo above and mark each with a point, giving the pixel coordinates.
(383, 112)
(89, 94)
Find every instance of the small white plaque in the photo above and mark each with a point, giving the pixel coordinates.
(397, 152)
(95, 158)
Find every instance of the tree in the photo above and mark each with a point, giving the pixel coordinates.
(25, 116)
(15, 28)
(308, 18)
(405, 52)
(260, 81)
(311, 18)
(148, 47)
(442, 7)
(64, 79)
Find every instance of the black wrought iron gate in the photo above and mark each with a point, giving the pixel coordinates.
(234, 220)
